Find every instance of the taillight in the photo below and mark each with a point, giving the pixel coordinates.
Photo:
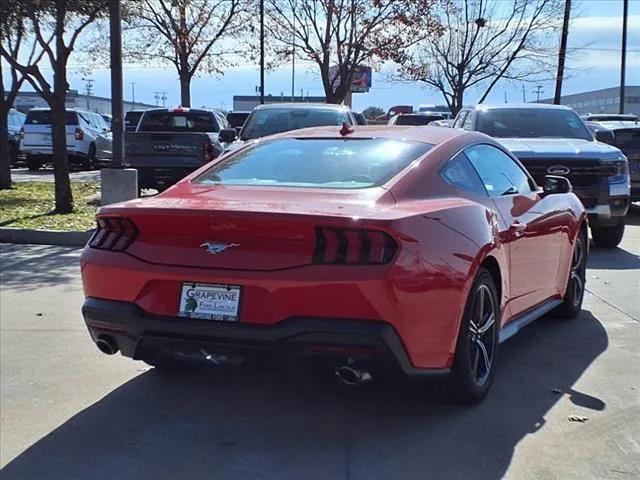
(79, 134)
(208, 153)
(114, 234)
(353, 246)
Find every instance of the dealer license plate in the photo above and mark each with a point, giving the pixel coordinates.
(210, 302)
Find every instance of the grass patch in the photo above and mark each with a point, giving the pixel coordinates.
(27, 205)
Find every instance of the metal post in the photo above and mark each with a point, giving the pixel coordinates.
(117, 108)
(261, 51)
(623, 61)
(133, 95)
(293, 56)
(563, 52)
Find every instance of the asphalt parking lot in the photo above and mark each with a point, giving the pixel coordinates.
(69, 412)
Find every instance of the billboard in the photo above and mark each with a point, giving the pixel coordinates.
(361, 82)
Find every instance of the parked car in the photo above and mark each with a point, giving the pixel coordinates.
(107, 119)
(414, 119)
(85, 133)
(170, 143)
(447, 123)
(610, 117)
(275, 118)
(626, 137)
(236, 119)
(131, 119)
(395, 110)
(552, 139)
(16, 120)
(360, 118)
(378, 251)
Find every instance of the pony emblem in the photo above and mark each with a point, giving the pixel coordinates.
(215, 248)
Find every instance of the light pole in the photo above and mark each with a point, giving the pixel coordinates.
(133, 95)
(623, 61)
(261, 52)
(117, 108)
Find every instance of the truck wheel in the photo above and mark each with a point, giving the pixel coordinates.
(90, 162)
(33, 163)
(608, 237)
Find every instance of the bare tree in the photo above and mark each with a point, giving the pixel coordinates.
(485, 41)
(341, 35)
(57, 22)
(191, 35)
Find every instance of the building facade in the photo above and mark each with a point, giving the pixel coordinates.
(606, 100)
(25, 101)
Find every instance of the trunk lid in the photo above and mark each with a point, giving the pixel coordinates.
(241, 228)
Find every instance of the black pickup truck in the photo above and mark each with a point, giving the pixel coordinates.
(168, 144)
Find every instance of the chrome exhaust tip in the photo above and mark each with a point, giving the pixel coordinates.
(107, 345)
(352, 376)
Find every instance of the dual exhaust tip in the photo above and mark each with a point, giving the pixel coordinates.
(107, 345)
(352, 375)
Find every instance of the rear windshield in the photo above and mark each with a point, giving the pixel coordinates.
(131, 119)
(277, 120)
(532, 123)
(237, 119)
(318, 163)
(43, 117)
(417, 119)
(627, 139)
(177, 122)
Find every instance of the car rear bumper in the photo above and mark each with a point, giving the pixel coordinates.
(139, 334)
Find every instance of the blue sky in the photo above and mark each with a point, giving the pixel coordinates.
(598, 66)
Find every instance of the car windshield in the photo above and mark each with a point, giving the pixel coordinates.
(532, 123)
(627, 139)
(270, 121)
(178, 121)
(44, 117)
(237, 119)
(319, 163)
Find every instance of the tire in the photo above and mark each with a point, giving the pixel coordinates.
(608, 237)
(33, 164)
(477, 346)
(571, 305)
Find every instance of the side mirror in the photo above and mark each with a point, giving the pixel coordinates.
(227, 135)
(605, 136)
(555, 184)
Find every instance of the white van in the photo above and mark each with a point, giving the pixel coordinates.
(87, 134)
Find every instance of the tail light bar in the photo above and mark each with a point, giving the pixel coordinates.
(79, 135)
(346, 246)
(114, 234)
(207, 155)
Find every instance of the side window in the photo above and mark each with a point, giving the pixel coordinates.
(468, 121)
(460, 118)
(499, 173)
(460, 173)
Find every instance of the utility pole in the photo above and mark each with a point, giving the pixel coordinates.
(623, 62)
(88, 85)
(563, 52)
(524, 95)
(538, 91)
(261, 52)
(133, 95)
(117, 107)
(293, 56)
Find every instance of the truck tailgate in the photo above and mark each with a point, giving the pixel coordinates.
(150, 149)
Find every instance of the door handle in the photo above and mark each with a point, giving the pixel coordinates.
(518, 227)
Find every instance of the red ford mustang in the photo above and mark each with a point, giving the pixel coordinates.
(414, 250)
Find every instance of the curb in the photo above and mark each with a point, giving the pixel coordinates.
(44, 237)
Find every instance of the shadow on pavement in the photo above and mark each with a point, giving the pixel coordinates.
(262, 422)
(22, 267)
(612, 259)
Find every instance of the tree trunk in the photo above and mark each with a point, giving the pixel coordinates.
(63, 195)
(5, 165)
(185, 91)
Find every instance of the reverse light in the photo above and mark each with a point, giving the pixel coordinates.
(346, 246)
(114, 234)
(79, 134)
